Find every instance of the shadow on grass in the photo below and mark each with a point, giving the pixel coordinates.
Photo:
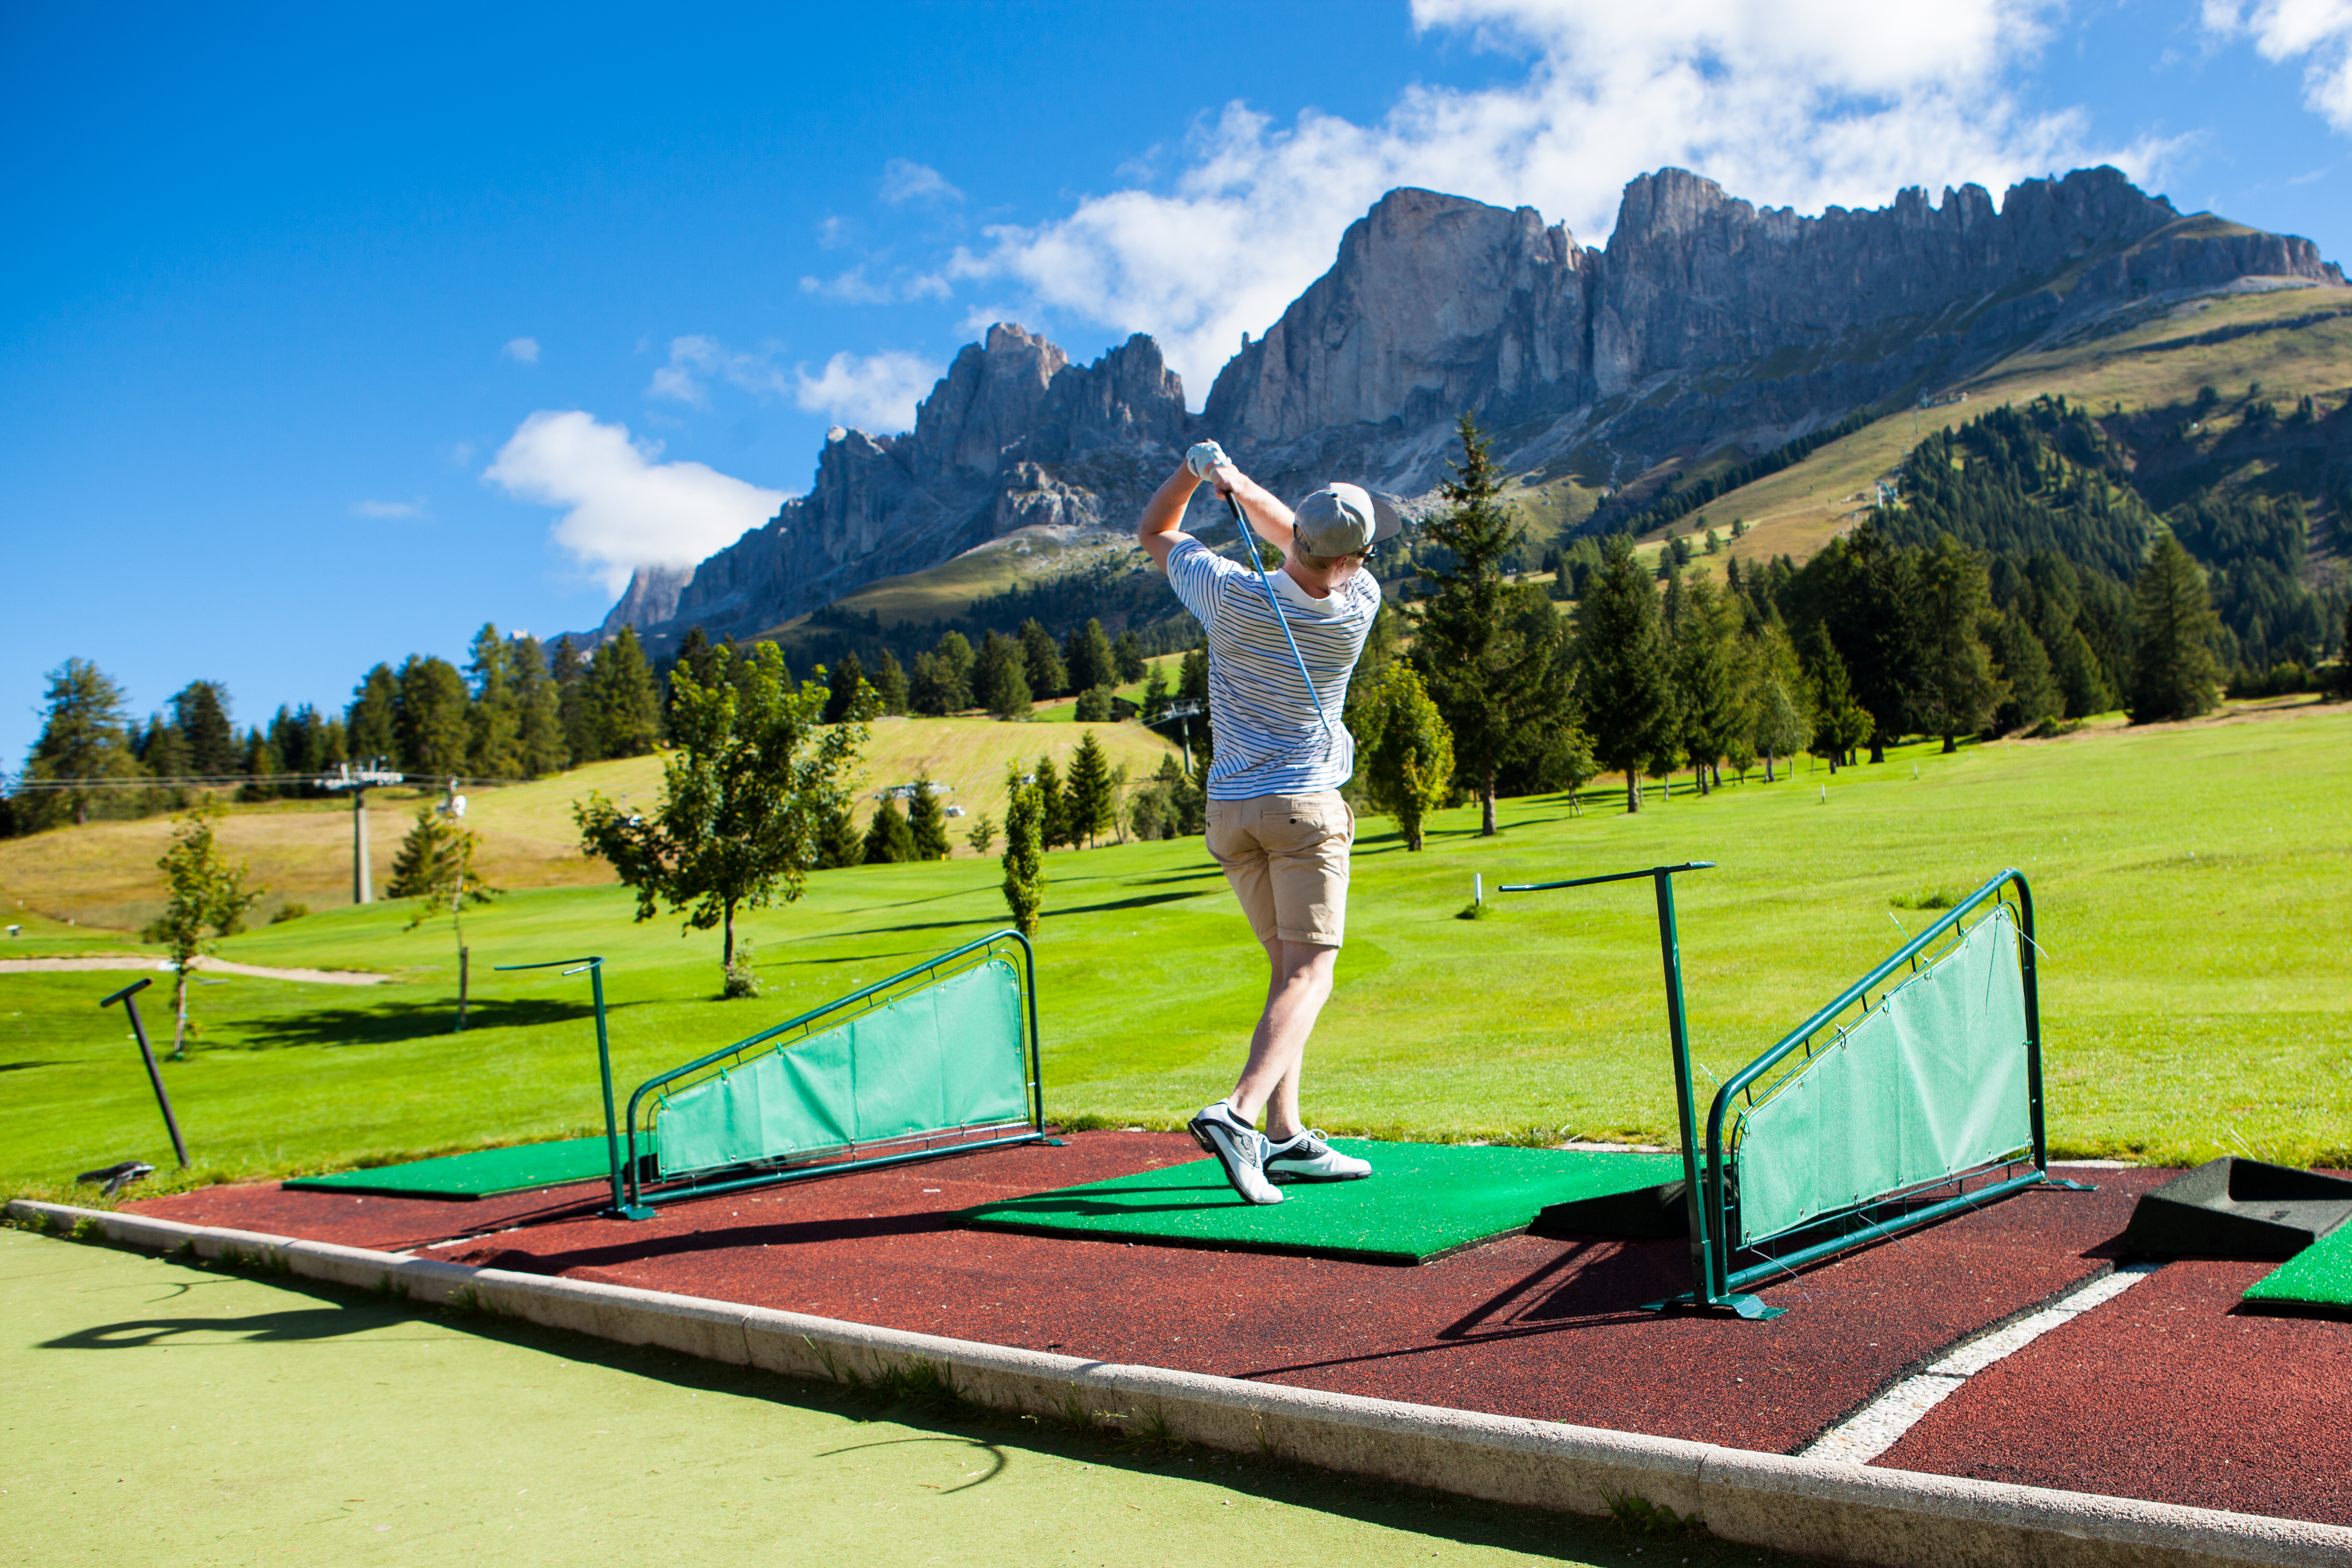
(896, 1408)
(388, 1022)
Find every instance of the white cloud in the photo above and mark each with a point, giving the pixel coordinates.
(522, 351)
(904, 180)
(2317, 31)
(390, 509)
(1798, 102)
(854, 288)
(625, 509)
(694, 360)
(873, 391)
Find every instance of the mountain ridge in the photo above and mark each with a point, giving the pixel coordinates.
(1704, 321)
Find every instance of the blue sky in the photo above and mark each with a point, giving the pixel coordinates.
(325, 338)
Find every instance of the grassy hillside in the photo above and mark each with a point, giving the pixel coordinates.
(104, 874)
(2190, 882)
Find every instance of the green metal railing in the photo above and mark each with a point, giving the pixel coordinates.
(1710, 1187)
(632, 1185)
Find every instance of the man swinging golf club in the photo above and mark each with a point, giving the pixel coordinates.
(1281, 648)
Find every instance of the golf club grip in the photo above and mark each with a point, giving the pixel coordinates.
(1249, 542)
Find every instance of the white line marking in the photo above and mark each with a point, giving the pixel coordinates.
(1880, 1425)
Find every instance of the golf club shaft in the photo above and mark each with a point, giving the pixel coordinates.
(1249, 540)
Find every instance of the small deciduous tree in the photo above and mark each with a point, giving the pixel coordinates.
(1024, 851)
(2173, 673)
(1780, 705)
(748, 790)
(435, 866)
(1411, 759)
(205, 899)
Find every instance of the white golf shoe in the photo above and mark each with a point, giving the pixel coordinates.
(1239, 1148)
(1307, 1158)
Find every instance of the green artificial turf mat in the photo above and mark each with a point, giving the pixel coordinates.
(479, 1174)
(1422, 1200)
(2318, 1276)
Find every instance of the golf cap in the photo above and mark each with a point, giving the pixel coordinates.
(1342, 519)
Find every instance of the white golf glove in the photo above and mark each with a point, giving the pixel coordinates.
(1205, 456)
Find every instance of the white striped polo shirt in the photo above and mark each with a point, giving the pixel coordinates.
(1268, 738)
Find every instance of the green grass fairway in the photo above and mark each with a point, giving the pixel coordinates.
(2192, 885)
(1422, 1201)
(2319, 1276)
(157, 1412)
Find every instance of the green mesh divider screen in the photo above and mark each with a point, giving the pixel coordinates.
(1931, 1082)
(945, 1057)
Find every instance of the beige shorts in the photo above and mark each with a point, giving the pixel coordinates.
(1286, 857)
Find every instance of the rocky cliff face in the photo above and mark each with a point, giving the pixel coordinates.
(1706, 320)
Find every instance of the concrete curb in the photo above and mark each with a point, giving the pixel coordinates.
(1813, 1507)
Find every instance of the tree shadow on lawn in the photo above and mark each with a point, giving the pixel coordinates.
(389, 1023)
(1138, 902)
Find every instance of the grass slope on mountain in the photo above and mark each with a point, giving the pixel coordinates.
(2179, 872)
(105, 876)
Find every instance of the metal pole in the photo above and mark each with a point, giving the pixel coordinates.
(1670, 955)
(362, 890)
(128, 996)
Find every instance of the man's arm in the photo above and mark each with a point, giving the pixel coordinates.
(1162, 524)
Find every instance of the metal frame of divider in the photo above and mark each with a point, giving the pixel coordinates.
(631, 1187)
(1710, 1190)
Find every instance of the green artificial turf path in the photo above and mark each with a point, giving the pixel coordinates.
(1422, 1200)
(158, 1411)
(481, 1173)
(2318, 1276)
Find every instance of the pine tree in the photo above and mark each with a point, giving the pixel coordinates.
(1840, 720)
(983, 834)
(2174, 675)
(1047, 678)
(494, 723)
(2033, 695)
(1126, 658)
(540, 706)
(890, 684)
(1411, 763)
(435, 866)
(582, 740)
(1959, 690)
(1624, 666)
(263, 762)
(1053, 818)
(622, 703)
(955, 665)
(749, 787)
(888, 839)
(1706, 682)
(1199, 736)
(206, 898)
(1494, 690)
(85, 737)
(838, 842)
(429, 716)
(1000, 678)
(1090, 802)
(926, 824)
(1024, 851)
(1094, 706)
(371, 724)
(200, 711)
(1780, 702)
(1088, 659)
(847, 692)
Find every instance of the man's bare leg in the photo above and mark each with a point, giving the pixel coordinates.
(1299, 986)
